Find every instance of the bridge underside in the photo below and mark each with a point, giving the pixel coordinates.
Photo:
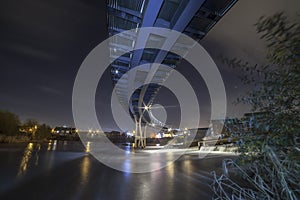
(192, 17)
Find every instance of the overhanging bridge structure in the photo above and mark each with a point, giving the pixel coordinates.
(192, 17)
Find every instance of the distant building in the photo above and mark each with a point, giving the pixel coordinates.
(65, 131)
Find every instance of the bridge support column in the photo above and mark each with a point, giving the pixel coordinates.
(140, 138)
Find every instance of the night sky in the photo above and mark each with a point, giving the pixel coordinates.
(43, 43)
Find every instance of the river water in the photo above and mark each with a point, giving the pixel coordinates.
(65, 170)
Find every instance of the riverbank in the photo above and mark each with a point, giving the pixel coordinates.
(25, 139)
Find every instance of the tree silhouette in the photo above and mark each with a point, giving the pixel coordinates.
(9, 123)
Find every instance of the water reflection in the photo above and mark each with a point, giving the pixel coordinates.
(27, 156)
(85, 168)
(38, 148)
(170, 170)
(49, 145)
(189, 168)
(127, 163)
(143, 187)
(52, 145)
(71, 173)
(127, 168)
(88, 147)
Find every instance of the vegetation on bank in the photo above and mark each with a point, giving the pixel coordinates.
(270, 152)
(13, 131)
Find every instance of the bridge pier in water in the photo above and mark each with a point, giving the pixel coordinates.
(141, 135)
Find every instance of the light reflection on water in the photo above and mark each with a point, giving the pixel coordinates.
(49, 145)
(31, 155)
(85, 168)
(52, 145)
(127, 167)
(88, 147)
(32, 151)
(28, 155)
(188, 167)
(170, 170)
(71, 172)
